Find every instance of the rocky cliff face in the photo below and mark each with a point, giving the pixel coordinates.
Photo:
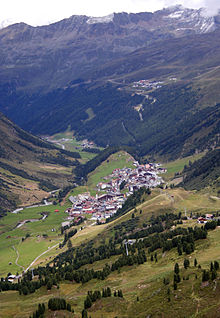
(47, 57)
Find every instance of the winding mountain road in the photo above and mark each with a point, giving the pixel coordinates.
(16, 261)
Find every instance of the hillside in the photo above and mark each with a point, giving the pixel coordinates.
(30, 167)
(124, 220)
(46, 57)
(178, 117)
(162, 230)
(203, 173)
(147, 283)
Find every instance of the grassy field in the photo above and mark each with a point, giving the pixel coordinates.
(70, 143)
(41, 236)
(178, 165)
(143, 281)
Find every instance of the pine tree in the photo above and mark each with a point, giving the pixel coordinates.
(49, 284)
(84, 313)
(186, 263)
(195, 262)
(177, 278)
(205, 275)
(216, 265)
(176, 269)
(120, 294)
(69, 244)
(87, 302)
(213, 274)
(108, 292)
(179, 249)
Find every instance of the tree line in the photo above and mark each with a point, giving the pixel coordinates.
(66, 266)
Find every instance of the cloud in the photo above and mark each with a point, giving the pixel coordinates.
(212, 7)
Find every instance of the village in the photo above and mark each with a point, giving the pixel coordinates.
(147, 84)
(142, 86)
(113, 191)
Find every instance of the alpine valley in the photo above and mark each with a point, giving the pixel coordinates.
(110, 166)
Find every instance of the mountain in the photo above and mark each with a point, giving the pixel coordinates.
(47, 57)
(30, 167)
(175, 113)
(150, 79)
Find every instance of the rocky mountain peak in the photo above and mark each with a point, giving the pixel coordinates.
(67, 49)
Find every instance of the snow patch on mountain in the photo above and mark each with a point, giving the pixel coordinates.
(176, 15)
(105, 19)
(191, 19)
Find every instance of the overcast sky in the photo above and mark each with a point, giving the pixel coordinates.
(38, 12)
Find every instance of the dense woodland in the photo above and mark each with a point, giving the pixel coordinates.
(167, 126)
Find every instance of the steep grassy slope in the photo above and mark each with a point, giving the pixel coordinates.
(145, 281)
(30, 166)
(148, 287)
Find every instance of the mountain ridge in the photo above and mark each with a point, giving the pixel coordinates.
(55, 54)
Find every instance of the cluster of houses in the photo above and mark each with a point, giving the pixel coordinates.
(145, 84)
(207, 218)
(133, 179)
(99, 207)
(113, 191)
(87, 144)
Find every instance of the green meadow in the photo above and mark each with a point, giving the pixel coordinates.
(143, 281)
(41, 236)
(178, 165)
